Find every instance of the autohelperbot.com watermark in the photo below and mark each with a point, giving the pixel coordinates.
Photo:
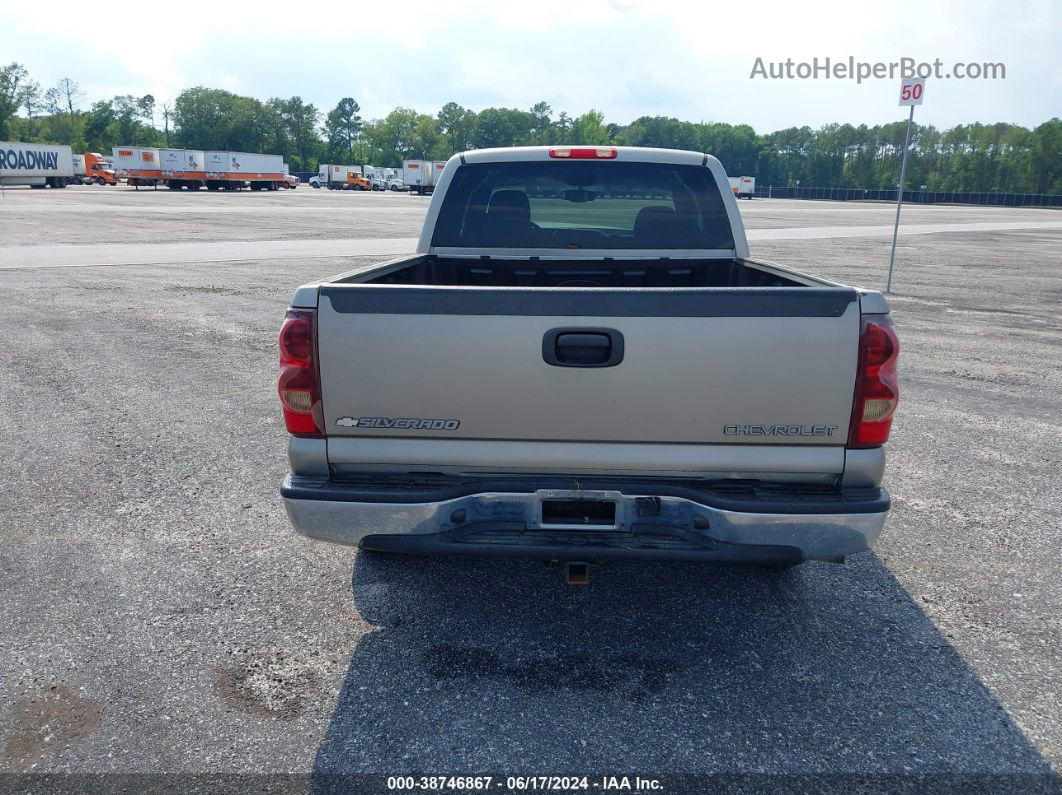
(851, 69)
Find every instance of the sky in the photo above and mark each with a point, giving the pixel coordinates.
(626, 58)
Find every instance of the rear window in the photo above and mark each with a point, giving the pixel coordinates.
(575, 205)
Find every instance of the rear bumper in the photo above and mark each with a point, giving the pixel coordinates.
(652, 520)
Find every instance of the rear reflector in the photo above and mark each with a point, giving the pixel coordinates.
(299, 385)
(588, 153)
(877, 391)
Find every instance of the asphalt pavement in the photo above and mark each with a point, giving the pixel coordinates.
(157, 614)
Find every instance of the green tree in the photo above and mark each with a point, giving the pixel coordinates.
(115, 122)
(207, 118)
(342, 129)
(542, 123)
(128, 124)
(662, 132)
(428, 141)
(374, 147)
(145, 107)
(456, 125)
(101, 116)
(398, 134)
(67, 123)
(966, 158)
(1045, 158)
(14, 84)
(561, 130)
(67, 94)
(198, 115)
(300, 119)
(277, 136)
(167, 111)
(33, 102)
(503, 127)
(590, 128)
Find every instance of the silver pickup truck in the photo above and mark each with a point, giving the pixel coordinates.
(581, 363)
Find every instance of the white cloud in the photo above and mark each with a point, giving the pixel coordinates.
(624, 57)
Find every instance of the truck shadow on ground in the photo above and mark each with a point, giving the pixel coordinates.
(487, 665)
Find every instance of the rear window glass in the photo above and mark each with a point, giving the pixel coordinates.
(583, 205)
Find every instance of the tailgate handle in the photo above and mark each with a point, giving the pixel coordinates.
(582, 347)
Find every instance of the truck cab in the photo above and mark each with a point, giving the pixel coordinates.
(357, 181)
(92, 167)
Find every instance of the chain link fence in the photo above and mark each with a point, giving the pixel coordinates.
(917, 196)
(994, 198)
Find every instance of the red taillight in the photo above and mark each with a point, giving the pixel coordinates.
(877, 390)
(585, 152)
(299, 386)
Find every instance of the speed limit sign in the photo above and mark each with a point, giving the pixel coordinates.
(911, 90)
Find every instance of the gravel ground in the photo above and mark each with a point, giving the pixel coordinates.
(93, 214)
(158, 614)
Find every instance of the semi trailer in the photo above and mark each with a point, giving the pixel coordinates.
(421, 176)
(183, 168)
(138, 166)
(214, 170)
(230, 170)
(743, 187)
(36, 165)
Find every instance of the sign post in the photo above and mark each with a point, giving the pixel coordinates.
(911, 92)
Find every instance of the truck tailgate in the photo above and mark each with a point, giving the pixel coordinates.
(736, 367)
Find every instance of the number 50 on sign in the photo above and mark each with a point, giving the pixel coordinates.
(911, 91)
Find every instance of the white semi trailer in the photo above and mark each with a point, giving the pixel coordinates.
(743, 187)
(231, 170)
(183, 168)
(421, 176)
(36, 165)
(138, 166)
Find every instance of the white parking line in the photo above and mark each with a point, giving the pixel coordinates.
(100, 208)
(70, 256)
(885, 230)
(65, 256)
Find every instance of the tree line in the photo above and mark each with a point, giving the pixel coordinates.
(968, 157)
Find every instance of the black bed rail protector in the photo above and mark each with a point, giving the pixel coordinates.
(590, 301)
(741, 496)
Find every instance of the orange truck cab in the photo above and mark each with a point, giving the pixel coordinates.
(357, 181)
(93, 167)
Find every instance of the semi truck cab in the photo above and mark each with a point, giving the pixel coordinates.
(92, 167)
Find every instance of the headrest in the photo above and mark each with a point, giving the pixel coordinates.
(510, 203)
